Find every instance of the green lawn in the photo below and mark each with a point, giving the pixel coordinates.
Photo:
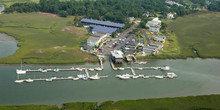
(206, 102)
(200, 32)
(42, 39)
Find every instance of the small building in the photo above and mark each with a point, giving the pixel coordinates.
(131, 19)
(159, 38)
(95, 39)
(154, 29)
(170, 16)
(117, 56)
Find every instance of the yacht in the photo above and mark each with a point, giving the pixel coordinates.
(56, 70)
(49, 79)
(121, 68)
(19, 81)
(165, 68)
(171, 75)
(91, 69)
(20, 71)
(70, 77)
(29, 80)
(81, 75)
(43, 70)
(145, 77)
(98, 69)
(75, 78)
(140, 68)
(94, 77)
(124, 77)
(159, 77)
(135, 77)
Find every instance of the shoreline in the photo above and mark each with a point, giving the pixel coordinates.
(6, 37)
(69, 64)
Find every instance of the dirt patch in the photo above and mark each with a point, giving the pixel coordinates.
(48, 14)
(75, 31)
(88, 57)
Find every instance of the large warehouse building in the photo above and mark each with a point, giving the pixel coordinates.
(102, 23)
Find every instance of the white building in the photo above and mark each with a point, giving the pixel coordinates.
(95, 39)
(159, 38)
(117, 56)
(170, 16)
(154, 22)
(154, 29)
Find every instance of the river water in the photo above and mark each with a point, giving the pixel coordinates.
(195, 77)
(8, 45)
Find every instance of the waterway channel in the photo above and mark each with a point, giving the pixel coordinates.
(195, 77)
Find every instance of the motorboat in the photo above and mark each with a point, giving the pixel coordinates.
(43, 70)
(70, 77)
(165, 68)
(56, 70)
(156, 68)
(95, 77)
(143, 62)
(81, 75)
(98, 69)
(29, 80)
(75, 78)
(124, 77)
(91, 69)
(121, 68)
(85, 78)
(159, 77)
(19, 81)
(53, 77)
(140, 68)
(145, 77)
(141, 76)
(49, 79)
(135, 77)
(72, 68)
(171, 75)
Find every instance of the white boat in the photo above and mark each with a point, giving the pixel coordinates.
(81, 75)
(165, 68)
(56, 70)
(91, 69)
(171, 75)
(75, 78)
(43, 70)
(146, 77)
(159, 77)
(98, 69)
(53, 77)
(72, 68)
(140, 68)
(121, 68)
(124, 77)
(141, 76)
(94, 77)
(49, 80)
(70, 77)
(135, 77)
(19, 81)
(143, 62)
(79, 69)
(156, 68)
(20, 71)
(85, 78)
(29, 80)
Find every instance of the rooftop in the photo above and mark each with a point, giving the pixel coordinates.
(117, 54)
(102, 29)
(103, 23)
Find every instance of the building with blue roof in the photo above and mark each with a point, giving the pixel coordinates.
(102, 23)
(102, 29)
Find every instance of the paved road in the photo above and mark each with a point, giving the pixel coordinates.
(148, 40)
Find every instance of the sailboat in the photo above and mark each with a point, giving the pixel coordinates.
(20, 71)
(19, 81)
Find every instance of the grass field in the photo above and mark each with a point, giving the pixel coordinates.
(43, 39)
(198, 32)
(208, 102)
